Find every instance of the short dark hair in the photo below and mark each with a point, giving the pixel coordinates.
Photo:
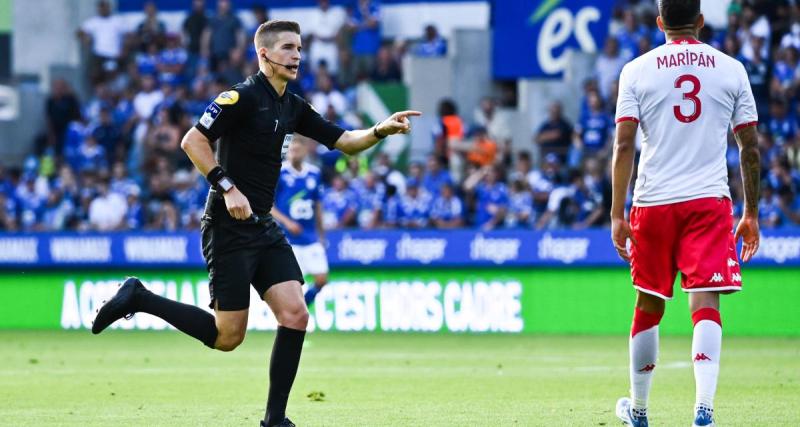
(678, 13)
(267, 33)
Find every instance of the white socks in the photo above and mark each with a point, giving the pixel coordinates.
(706, 346)
(643, 355)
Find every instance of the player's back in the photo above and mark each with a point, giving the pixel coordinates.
(685, 95)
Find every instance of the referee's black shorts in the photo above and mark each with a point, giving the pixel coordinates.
(242, 254)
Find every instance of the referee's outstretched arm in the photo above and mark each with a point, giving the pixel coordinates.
(355, 141)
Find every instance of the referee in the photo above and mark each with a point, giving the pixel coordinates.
(242, 244)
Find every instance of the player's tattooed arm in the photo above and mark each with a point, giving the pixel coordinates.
(750, 164)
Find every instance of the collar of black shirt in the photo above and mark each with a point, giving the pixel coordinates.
(263, 79)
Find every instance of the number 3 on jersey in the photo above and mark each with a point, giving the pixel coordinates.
(691, 95)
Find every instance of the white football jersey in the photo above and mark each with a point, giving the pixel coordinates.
(684, 95)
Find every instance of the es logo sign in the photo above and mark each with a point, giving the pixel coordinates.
(531, 39)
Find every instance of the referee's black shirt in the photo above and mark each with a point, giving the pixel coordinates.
(254, 126)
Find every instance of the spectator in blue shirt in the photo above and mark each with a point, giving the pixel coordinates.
(120, 181)
(789, 204)
(415, 206)
(370, 201)
(593, 130)
(391, 207)
(491, 197)
(520, 206)
(783, 72)
(769, 210)
(147, 61)
(30, 203)
(58, 211)
(108, 134)
(134, 216)
(171, 61)
(435, 175)
(91, 156)
(782, 125)
(447, 210)
(432, 45)
(780, 174)
(582, 207)
(364, 22)
(223, 34)
(628, 36)
(185, 196)
(338, 205)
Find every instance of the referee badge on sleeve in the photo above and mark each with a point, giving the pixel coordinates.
(211, 114)
(229, 97)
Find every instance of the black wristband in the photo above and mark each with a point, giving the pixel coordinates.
(219, 180)
(214, 175)
(375, 132)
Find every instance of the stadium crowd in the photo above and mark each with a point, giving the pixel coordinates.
(114, 162)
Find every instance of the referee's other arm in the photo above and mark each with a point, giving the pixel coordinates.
(198, 148)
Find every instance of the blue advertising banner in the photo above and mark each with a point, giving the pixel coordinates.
(531, 37)
(355, 248)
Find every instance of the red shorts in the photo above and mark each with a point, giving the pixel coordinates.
(694, 237)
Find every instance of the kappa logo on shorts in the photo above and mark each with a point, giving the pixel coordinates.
(716, 278)
(736, 277)
(732, 262)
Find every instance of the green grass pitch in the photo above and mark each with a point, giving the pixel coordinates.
(165, 379)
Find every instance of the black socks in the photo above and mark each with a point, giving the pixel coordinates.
(282, 370)
(190, 320)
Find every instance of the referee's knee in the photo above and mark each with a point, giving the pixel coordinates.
(228, 341)
(294, 318)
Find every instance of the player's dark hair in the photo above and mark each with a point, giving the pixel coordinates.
(679, 13)
(447, 107)
(267, 33)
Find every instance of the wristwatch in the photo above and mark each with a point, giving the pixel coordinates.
(225, 184)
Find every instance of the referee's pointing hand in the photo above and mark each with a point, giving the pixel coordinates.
(237, 204)
(397, 123)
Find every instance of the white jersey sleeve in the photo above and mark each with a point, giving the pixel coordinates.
(627, 102)
(744, 110)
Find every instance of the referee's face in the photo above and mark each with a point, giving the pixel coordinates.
(286, 51)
